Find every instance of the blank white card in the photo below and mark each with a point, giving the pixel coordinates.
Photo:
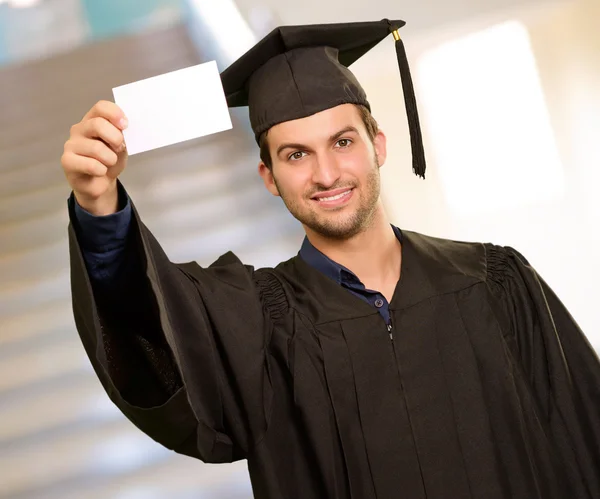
(173, 107)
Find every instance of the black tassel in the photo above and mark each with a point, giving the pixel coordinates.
(410, 101)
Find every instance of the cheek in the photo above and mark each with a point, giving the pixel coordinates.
(356, 159)
(295, 183)
(356, 167)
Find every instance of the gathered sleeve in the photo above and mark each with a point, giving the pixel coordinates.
(180, 349)
(562, 368)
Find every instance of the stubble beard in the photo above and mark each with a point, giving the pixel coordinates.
(340, 226)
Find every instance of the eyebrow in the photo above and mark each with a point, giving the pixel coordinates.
(333, 138)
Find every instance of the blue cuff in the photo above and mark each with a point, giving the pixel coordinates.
(105, 233)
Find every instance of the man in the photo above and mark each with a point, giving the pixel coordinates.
(378, 363)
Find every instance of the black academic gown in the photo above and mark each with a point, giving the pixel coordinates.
(487, 390)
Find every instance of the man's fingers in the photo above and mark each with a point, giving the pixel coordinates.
(100, 128)
(96, 149)
(110, 112)
(83, 165)
(94, 155)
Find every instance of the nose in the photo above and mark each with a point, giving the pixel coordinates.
(326, 170)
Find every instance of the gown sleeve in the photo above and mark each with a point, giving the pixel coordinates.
(562, 368)
(178, 348)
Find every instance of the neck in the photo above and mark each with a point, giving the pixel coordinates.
(373, 254)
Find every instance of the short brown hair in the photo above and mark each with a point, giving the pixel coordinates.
(367, 119)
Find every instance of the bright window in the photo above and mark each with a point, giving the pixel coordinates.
(489, 127)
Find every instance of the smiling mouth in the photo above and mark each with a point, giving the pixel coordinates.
(336, 197)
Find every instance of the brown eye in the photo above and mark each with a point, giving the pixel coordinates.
(295, 156)
(344, 143)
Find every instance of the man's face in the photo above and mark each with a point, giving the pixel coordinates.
(326, 170)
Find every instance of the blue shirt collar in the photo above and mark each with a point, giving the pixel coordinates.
(327, 266)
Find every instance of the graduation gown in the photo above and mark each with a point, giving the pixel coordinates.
(485, 388)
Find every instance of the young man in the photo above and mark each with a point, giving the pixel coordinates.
(378, 363)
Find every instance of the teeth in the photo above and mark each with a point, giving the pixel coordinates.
(332, 198)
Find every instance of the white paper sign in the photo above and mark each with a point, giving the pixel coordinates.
(173, 107)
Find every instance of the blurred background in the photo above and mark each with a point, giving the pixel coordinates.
(509, 93)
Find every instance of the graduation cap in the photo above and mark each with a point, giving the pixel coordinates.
(297, 71)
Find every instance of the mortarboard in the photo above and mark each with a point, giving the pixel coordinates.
(297, 71)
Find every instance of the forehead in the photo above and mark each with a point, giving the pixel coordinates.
(319, 126)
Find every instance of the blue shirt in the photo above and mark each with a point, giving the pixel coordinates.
(103, 241)
(345, 277)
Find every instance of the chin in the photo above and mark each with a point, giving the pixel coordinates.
(342, 222)
(336, 226)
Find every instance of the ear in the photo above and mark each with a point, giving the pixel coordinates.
(267, 176)
(380, 145)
